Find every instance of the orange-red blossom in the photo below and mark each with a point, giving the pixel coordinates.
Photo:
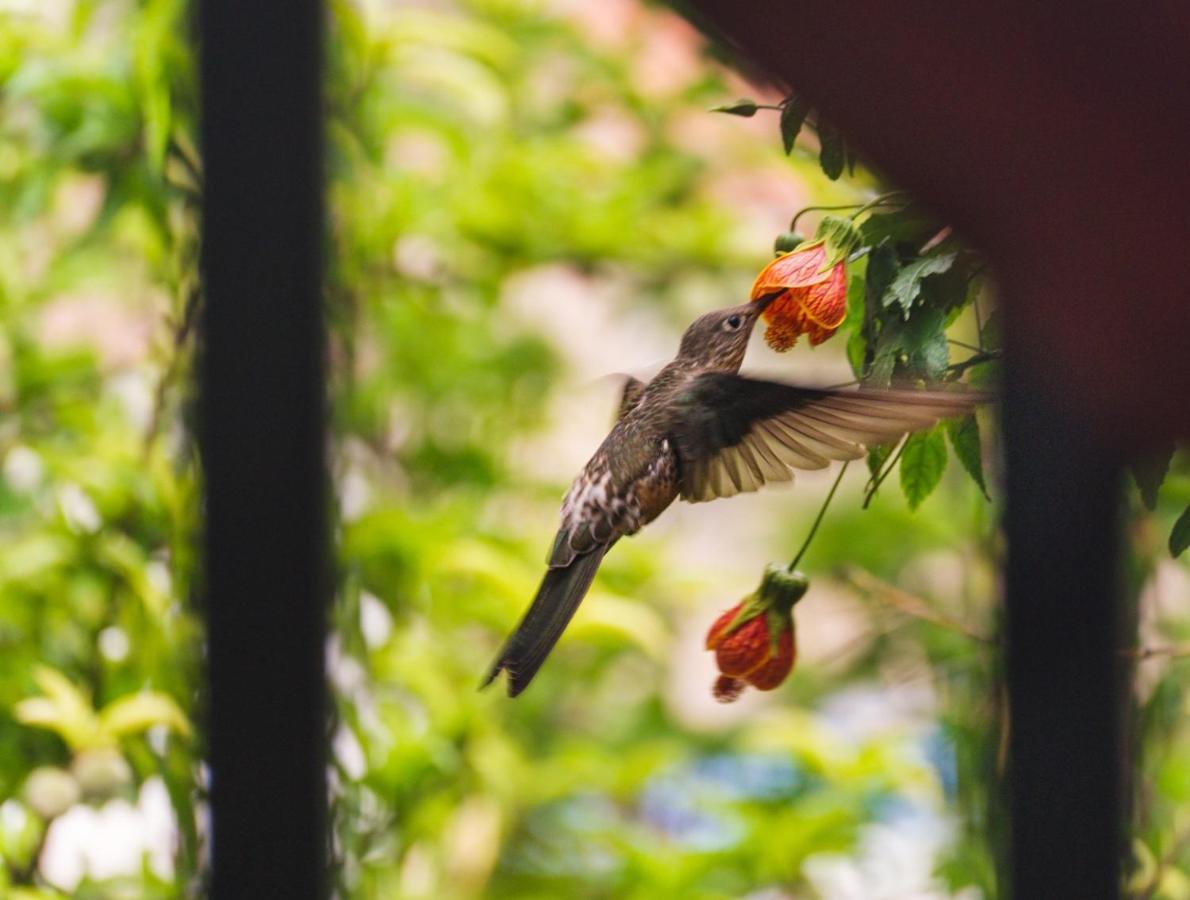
(755, 641)
(811, 283)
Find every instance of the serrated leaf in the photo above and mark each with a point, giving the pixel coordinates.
(882, 271)
(793, 116)
(932, 356)
(1148, 471)
(964, 439)
(906, 287)
(832, 154)
(922, 463)
(742, 107)
(1179, 537)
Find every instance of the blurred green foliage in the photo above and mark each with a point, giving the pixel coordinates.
(475, 148)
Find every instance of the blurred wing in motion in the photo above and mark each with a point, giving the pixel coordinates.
(734, 434)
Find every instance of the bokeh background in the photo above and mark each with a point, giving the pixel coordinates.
(525, 198)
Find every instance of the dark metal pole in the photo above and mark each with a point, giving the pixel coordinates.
(1063, 665)
(262, 442)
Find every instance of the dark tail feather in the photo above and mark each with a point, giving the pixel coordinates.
(558, 597)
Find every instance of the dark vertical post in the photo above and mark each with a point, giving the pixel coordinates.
(262, 442)
(1063, 591)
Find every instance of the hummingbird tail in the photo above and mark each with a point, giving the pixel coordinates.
(560, 593)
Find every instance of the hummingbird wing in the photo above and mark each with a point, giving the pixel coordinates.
(734, 434)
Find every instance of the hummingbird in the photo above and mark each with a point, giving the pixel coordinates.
(699, 431)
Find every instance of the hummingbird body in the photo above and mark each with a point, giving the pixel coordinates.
(699, 431)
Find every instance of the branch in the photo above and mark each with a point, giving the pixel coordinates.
(181, 334)
(909, 604)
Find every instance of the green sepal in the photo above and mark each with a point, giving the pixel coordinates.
(780, 588)
(840, 236)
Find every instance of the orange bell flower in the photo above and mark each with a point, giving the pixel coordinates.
(811, 284)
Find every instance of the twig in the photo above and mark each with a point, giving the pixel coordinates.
(181, 334)
(1170, 650)
(964, 345)
(907, 603)
(957, 369)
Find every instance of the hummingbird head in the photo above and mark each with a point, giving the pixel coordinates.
(717, 341)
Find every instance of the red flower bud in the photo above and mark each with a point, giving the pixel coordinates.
(754, 641)
(780, 664)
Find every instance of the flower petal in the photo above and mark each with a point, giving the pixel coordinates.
(778, 667)
(804, 266)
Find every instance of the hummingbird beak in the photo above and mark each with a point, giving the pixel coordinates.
(763, 302)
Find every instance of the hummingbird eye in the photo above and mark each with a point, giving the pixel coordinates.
(732, 323)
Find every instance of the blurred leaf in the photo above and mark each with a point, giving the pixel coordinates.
(745, 108)
(964, 438)
(832, 155)
(793, 116)
(139, 712)
(1179, 537)
(1148, 471)
(922, 463)
(64, 709)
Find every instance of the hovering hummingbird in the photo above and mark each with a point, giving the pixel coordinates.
(698, 430)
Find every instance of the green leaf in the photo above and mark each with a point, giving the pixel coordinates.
(793, 116)
(64, 709)
(882, 270)
(742, 107)
(833, 154)
(932, 356)
(1148, 471)
(906, 287)
(857, 353)
(964, 438)
(1179, 537)
(922, 463)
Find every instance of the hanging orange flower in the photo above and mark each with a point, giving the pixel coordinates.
(755, 641)
(811, 284)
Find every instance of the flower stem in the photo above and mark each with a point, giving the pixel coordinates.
(818, 521)
(860, 208)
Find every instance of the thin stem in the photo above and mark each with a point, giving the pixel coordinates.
(859, 208)
(956, 369)
(978, 320)
(804, 210)
(965, 345)
(818, 521)
(876, 480)
(877, 201)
